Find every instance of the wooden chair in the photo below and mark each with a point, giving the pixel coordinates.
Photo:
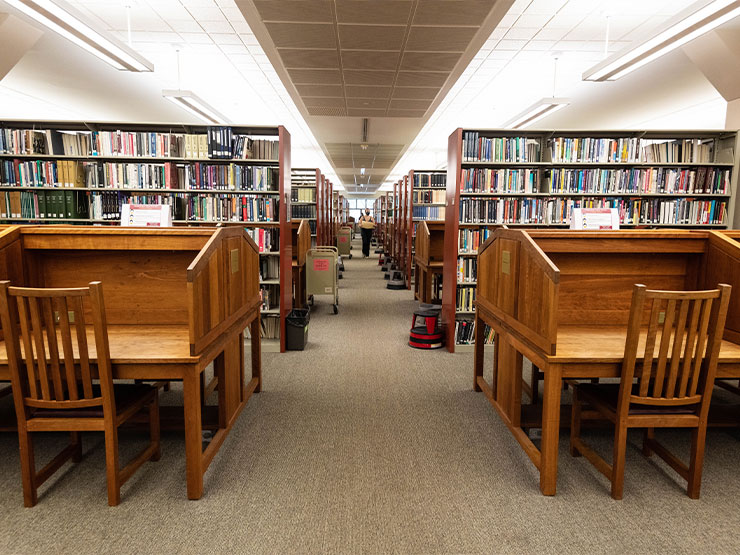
(53, 387)
(670, 391)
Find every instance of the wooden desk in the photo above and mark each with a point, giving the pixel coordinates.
(429, 247)
(176, 300)
(561, 299)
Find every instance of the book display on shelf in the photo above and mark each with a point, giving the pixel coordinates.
(84, 172)
(305, 194)
(425, 201)
(538, 178)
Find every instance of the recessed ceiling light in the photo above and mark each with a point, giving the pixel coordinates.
(63, 19)
(693, 22)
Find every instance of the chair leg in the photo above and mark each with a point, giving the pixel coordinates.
(646, 439)
(28, 467)
(154, 428)
(112, 467)
(575, 424)
(698, 441)
(620, 452)
(76, 440)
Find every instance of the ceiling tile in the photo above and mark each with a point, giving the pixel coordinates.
(420, 79)
(320, 90)
(226, 38)
(364, 103)
(371, 37)
(377, 11)
(315, 76)
(452, 12)
(365, 113)
(232, 49)
(364, 77)
(410, 104)
(217, 26)
(522, 32)
(302, 35)
(432, 61)
(326, 111)
(202, 14)
(323, 101)
(309, 59)
(406, 114)
(440, 39)
(358, 59)
(300, 11)
(197, 38)
(356, 91)
(418, 93)
(185, 26)
(511, 44)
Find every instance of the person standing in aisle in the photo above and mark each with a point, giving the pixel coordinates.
(367, 224)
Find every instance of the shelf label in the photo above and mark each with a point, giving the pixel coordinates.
(146, 215)
(321, 265)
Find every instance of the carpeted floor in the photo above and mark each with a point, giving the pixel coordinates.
(362, 444)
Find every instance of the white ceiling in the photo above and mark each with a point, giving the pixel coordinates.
(222, 62)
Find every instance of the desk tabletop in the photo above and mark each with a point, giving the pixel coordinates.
(131, 344)
(605, 344)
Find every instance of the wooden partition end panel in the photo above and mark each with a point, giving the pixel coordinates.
(452, 216)
(436, 242)
(302, 242)
(721, 264)
(223, 285)
(286, 254)
(518, 284)
(422, 242)
(11, 258)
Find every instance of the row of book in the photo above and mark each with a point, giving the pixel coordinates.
(422, 179)
(465, 299)
(270, 328)
(703, 180)
(300, 211)
(61, 205)
(303, 194)
(218, 142)
(269, 267)
(267, 240)
(429, 197)
(471, 239)
(230, 208)
(70, 173)
(683, 211)
(486, 180)
(499, 149)
(270, 297)
(467, 269)
(465, 333)
(429, 213)
(631, 150)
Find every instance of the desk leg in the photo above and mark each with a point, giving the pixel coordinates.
(479, 352)
(193, 434)
(550, 429)
(254, 331)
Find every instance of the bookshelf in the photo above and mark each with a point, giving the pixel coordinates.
(305, 190)
(523, 178)
(426, 201)
(82, 172)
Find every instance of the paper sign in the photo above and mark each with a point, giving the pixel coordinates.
(146, 215)
(343, 239)
(595, 218)
(321, 265)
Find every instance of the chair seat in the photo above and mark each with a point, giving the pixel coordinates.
(607, 394)
(126, 395)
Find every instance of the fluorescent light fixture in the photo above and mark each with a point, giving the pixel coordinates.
(63, 19)
(362, 171)
(698, 19)
(191, 102)
(536, 111)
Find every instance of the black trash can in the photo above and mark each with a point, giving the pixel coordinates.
(296, 329)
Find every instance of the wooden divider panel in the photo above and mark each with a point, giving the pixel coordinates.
(722, 265)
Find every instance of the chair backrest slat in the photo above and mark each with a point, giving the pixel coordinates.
(678, 338)
(51, 339)
(701, 345)
(665, 341)
(46, 318)
(33, 380)
(647, 363)
(79, 316)
(690, 338)
(67, 348)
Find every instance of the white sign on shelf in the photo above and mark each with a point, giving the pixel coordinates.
(146, 215)
(595, 218)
